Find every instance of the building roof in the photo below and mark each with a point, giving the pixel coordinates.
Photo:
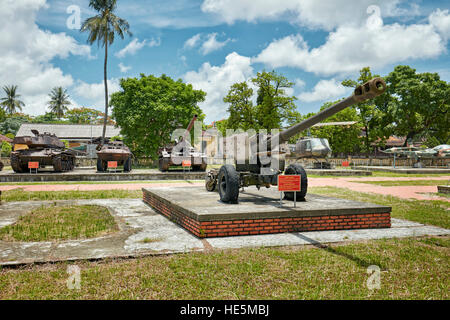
(6, 139)
(344, 123)
(69, 131)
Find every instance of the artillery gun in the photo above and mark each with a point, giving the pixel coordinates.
(46, 149)
(175, 153)
(113, 151)
(260, 159)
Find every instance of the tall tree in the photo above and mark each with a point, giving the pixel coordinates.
(11, 103)
(149, 109)
(369, 115)
(417, 104)
(59, 101)
(241, 109)
(274, 106)
(102, 29)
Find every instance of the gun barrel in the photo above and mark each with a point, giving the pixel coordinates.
(368, 90)
(191, 124)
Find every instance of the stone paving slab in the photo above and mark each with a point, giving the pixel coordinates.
(138, 222)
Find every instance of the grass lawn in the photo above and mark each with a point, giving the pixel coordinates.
(410, 269)
(61, 223)
(20, 195)
(406, 183)
(433, 212)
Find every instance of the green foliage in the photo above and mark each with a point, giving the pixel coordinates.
(86, 116)
(59, 101)
(48, 117)
(342, 139)
(6, 149)
(11, 103)
(369, 116)
(241, 109)
(149, 109)
(66, 143)
(115, 138)
(417, 104)
(13, 123)
(2, 115)
(273, 105)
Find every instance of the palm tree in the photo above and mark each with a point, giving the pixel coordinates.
(102, 29)
(11, 103)
(59, 101)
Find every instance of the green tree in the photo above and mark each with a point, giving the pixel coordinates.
(13, 123)
(11, 103)
(149, 109)
(274, 106)
(416, 104)
(59, 101)
(102, 29)
(370, 117)
(241, 109)
(86, 116)
(6, 149)
(342, 139)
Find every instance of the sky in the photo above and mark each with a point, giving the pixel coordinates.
(213, 44)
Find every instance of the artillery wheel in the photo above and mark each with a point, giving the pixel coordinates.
(127, 165)
(296, 169)
(210, 183)
(228, 182)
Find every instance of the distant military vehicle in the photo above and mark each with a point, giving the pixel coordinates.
(438, 152)
(250, 169)
(45, 149)
(115, 151)
(317, 148)
(181, 150)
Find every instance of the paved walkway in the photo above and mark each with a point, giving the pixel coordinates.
(404, 192)
(143, 232)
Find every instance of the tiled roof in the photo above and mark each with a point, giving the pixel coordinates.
(68, 131)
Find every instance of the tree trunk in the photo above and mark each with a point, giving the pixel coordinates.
(106, 92)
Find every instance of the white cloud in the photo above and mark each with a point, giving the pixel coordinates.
(124, 68)
(211, 44)
(350, 48)
(193, 41)
(309, 13)
(440, 19)
(26, 53)
(325, 90)
(95, 92)
(216, 82)
(134, 46)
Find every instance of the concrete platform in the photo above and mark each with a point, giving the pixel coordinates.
(407, 170)
(259, 212)
(138, 222)
(92, 175)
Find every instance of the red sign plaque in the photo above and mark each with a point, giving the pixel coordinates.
(112, 164)
(33, 165)
(289, 183)
(186, 163)
(345, 164)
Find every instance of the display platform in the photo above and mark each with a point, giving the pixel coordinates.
(259, 212)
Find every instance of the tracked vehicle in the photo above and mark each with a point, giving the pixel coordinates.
(113, 151)
(46, 149)
(260, 159)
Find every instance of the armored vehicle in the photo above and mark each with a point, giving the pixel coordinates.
(175, 153)
(261, 158)
(46, 149)
(115, 151)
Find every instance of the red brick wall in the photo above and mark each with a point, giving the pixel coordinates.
(263, 226)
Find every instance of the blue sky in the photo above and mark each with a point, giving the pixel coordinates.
(215, 43)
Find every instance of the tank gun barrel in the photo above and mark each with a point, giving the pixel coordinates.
(368, 90)
(189, 128)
